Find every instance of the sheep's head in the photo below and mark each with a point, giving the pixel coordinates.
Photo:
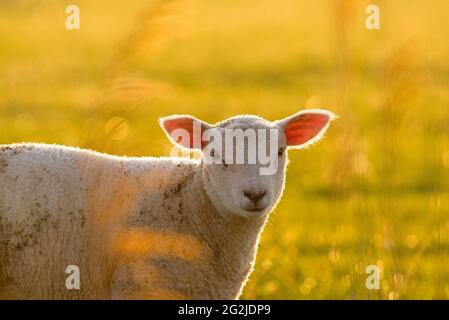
(244, 157)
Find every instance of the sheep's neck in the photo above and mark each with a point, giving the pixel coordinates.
(187, 210)
(232, 238)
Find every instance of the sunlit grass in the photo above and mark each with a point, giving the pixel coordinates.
(374, 191)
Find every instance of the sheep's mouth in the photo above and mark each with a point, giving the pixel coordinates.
(255, 209)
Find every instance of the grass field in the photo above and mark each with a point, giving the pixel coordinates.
(374, 191)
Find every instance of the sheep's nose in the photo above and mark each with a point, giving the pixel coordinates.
(254, 196)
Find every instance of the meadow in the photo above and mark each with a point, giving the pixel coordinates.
(375, 190)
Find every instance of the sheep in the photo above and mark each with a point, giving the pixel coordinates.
(140, 227)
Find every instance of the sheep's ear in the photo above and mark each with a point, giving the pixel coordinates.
(184, 130)
(305, 127)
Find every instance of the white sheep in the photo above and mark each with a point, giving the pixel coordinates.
(139, 228)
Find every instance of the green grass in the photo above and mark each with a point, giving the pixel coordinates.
(375, 190)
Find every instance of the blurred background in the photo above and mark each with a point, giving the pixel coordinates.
(374, 191)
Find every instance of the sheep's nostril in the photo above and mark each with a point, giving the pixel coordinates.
(255, 195)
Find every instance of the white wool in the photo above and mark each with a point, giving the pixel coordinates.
(137, 228)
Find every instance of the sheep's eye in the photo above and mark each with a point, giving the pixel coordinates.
(281, 151)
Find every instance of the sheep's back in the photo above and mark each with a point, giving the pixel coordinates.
(44, 197)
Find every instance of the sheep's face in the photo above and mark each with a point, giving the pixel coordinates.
(244, 173)
(244, 158)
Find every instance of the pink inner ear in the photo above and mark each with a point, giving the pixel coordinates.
(304, 128)
(186, 124)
